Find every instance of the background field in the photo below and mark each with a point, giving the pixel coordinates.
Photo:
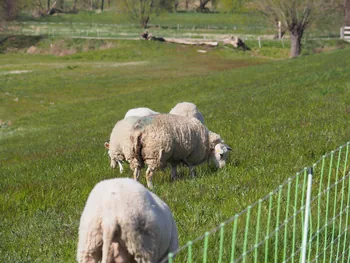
(277, 115)
(243, 23)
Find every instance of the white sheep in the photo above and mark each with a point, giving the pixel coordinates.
(140, 112)
(124, 222)
(187, 109)
(119, 145)
(171, 139)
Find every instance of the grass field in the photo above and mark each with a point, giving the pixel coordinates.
(278, 116)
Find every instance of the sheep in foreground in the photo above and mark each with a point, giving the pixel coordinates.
(140, 112)
(119, 145)
(187, 109)
(171, 139)
(124, 222)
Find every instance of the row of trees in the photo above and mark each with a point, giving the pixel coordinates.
(295, 16)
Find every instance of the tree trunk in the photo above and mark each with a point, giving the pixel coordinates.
(102, 4)
(48, 5)
(346, 12)
(144, 22)
(176, 4)
(202, 4)
(295, 38)
(75, 6)
(10, 9)
(60, 4)
(187, 1)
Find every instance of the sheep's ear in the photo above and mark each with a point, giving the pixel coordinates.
(214, 139)
(107, 145)
(228, 147)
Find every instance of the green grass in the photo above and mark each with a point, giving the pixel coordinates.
(182, 18)
(278, 116)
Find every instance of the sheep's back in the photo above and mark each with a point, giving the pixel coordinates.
(180, 139)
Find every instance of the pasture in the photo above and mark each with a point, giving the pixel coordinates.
(277, 115)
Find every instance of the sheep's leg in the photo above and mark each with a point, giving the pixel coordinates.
(107, 242)
(136, 173)
(120, 167)
(113, 163)
(173, 172)
(149, 174)
(192, 171)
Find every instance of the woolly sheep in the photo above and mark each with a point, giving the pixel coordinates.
(140, 112)
(187, 109)
(119, 145)
(164, 139)
(125, 222)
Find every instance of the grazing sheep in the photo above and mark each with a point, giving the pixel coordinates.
(187, 109)
(170, 139)
(124, 222)
(119, 145)
(140, 112)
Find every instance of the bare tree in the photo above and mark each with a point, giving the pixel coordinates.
(202, 6)
(347, 12)
(60, 4)
(141, 10)
(295, 15)
(9, 9)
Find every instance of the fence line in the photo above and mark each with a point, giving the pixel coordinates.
(292, 223)
(132, 31)
(345, 33)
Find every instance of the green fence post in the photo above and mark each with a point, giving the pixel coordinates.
(327, 204)
(257, 233)
(303, 194)
(189, 260)
(233, 244)
(335, 203)
(268, 228)
(348, 202)
(318, 208)
(246, 235)
(307, 213)
(295, 213)
(278, 221)
(286, 221)
(221, 241)
(205, 247)
(341, 210)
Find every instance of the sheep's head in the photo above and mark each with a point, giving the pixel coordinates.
(113, 161)
(115, 156)
(218, 150)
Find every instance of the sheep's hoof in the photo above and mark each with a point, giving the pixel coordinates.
(150, 185)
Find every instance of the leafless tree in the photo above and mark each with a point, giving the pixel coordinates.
(295, 15)
(202, 6)
(141, 10)
(9, 9)
(347, 12)
(60, 4)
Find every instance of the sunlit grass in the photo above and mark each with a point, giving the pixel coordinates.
(278, 116)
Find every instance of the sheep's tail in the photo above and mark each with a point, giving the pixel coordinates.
(136, 160)
(109, 232)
